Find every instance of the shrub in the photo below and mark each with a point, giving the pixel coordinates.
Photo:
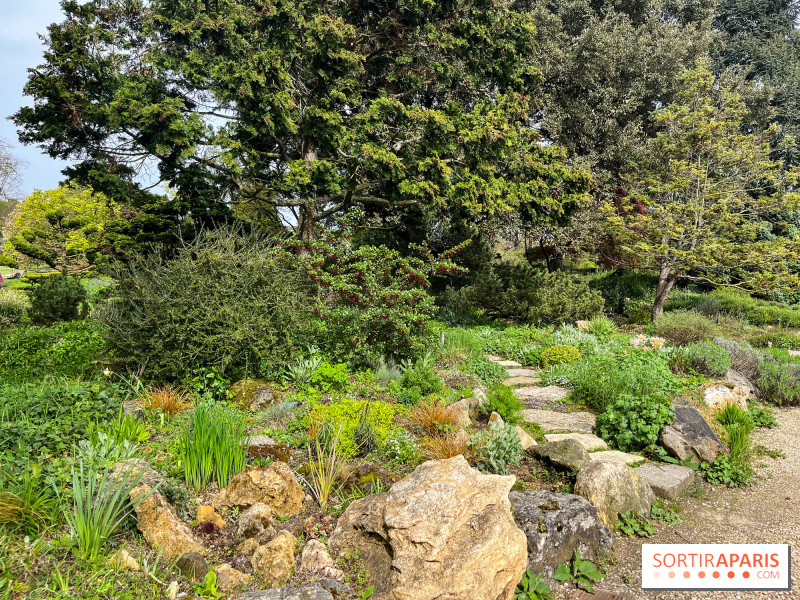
(682, 327)
(779, 383)
(707, 358)
(743, 358)
(350, 414)
(331, 378)
(490, 373)
(739, 304)
(409, 396)
(421, 376)
(787, 341)
(620, 287)
(556, 355)
(496, 448)
(14, 305)
(502, 400)
(223, 300)
(633, 423)
(534, 296)
(443, 445)
(602, 327)
(58, 298)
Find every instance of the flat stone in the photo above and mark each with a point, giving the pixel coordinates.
(514, 381)
(550, 392)
(667, 481)
(522, 372)
(690, 436)
(508, 363)
(589, 441)
(613, 488)
(567, 454)
(524, 438)
(615, 456)
(581, 422)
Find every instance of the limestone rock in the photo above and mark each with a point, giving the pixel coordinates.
(264, 446)
(524, 438)
(522, 372)
(462, 437)
(614, 488)
(550, 392)
(275, 486)
(123, 561)
(720, 395)
(310, 592)
(315, 558)
(507, 363)
(161, 527)
(461, 410)
(445, 531)
(524, 381)
(366, 475)
(172, 590)
(193, 566)
(667, 481)
(230, 580)
(616, 456)
(567, 454)
(256, 522)
(130, 407)
(496, 419)
(589, 441)
(581, 422)
(736, 379)
(556, 525)
(691, 437)
(255, 394)
(207, 514)
(247, 547)
(275, 560)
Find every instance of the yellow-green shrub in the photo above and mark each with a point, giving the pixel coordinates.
(556, 355)
(347, 414)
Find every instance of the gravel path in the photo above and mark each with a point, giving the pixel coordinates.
(766, 513)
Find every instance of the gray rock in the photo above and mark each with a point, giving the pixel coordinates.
(691, 437)
(581, 422)
(550, 392)
(257, 522)
(556, 525)
(616, 456)
(567, 454)
(129, 407)
(522, 372)
(589, 441)
(738, 380)
(309, 592)
(667, 481)
(193, 566)
(614, 488)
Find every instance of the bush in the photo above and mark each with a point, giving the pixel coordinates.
(779, 383)
(743, 358)
(223, 301)
(58, 298)
(14, 305)
(534, 296)
(556, 355)
(489, 372)
(756, 312)
(502, 400)
(620, 287)
(331, 378)
(707, 358)
(496, 448)
(633, 423)
(421, 376)
(352, 414)
(682, 327)
(786, 341)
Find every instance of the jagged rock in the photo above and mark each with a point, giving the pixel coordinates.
(567, 454)
(496, 419)
(255, 394)
(524, 438)
(581, 422)
(264, 446)
(275, 560)
(207, 514)
(614, 488)
(445, 531)
(461, 410)
(256, 522)
(247, 547)
(315, 559)
(589, 441)
(310, 592)
(275, 486)
(161, 527)
(667, 481)
(691, 437)
(616, 456)
(720, 395)
(230, 580)
(462, 437)
(123, 561)
(736, 379)
(193, 566)
(556, 525)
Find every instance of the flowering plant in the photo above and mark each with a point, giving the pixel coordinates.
(643, 342)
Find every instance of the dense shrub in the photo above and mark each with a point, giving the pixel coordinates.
(556, 355)
(14, 305)
(620, 287)
(58, 298)
(738, 303)
(421, 376)
(355, 421)
(223, 301)
(779, 383)
(534, 296)
(776, 339)
(707, 358)
(490, 373)
(683, 327)
(633, 423)
(743, 357)
(502, 400)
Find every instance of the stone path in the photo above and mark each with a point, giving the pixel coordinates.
(589, 441)
(580, 422)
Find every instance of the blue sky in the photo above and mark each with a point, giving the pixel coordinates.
(21, 49)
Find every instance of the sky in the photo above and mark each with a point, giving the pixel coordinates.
(21, 49)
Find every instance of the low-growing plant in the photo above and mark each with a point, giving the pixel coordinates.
(58, 298)
(496, 448)
(557, 355)
(739, 441)
(779, 383)
(331, 378)
(168, 399)
(707, 358)
(733, 414)
(409, 396)
(489, 372)
(208, 383)
(743, 357)
(28, 504)
(421, 375)
(633, 423)
(632, 523)
(601, 327)
(682, 327)
(402, 447)
(775, 339)
(531, 587)
(128, 428)
(502, 400)
(725, 471)
(580, 572)
(350, 413)
(14, 305)
(433, 417)
(103, 450)
(761, 416)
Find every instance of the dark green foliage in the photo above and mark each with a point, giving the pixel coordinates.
(761, 417)
(635, 524)
(502, 400)
(733, 414)
(633, 423)
(58, 298)
(223, 301)
(620, 288)
(421, 375)
(409, 396)
(531, 587)
(725, 471)
(776, 339)
(739, 304)
(66, 349)
(779, 383)
(496, 448)
(682, 327)
(489, 372)
(707, 358)
(534, 296)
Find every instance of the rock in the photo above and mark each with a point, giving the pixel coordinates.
(567, 454)
(720, 395)
(230, 580)
(338, 590)
(130, 407)
(133, 468)
(614, 488)
(515, 381)
(275, 560)
(255, 394)
(667, 481)
(256, 522)
(315, 559)
(161, 527)
(736, 379)
(522, 372)
(207, 514)
(553, 393)
(691, 437)
(581, 422)
(589, 441)
(582, 325)
(247, 547)
(461, 410)
(507, 363)
(264, 446)
(366, 475)
(275, 486)
(556, 525)
(616, 456)
(309, 592)
(172, 590)
(462, 437)
(496, 419)
(123, 561)
(524, 438)
(193, 566)
(446, 530)
(480, 395)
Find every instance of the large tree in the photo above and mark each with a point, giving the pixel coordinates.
(698, 189)
(302, 109)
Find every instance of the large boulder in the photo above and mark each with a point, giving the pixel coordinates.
(556, 525)
(255, 393)
(161, 527)
(263, 446)
(690, 436)
(566, 454)
(614, 488)
(276, 486)
(274, 561)
(445, 531)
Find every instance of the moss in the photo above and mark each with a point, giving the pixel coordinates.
(246, 391)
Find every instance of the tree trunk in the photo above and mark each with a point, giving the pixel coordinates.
(665, 284)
